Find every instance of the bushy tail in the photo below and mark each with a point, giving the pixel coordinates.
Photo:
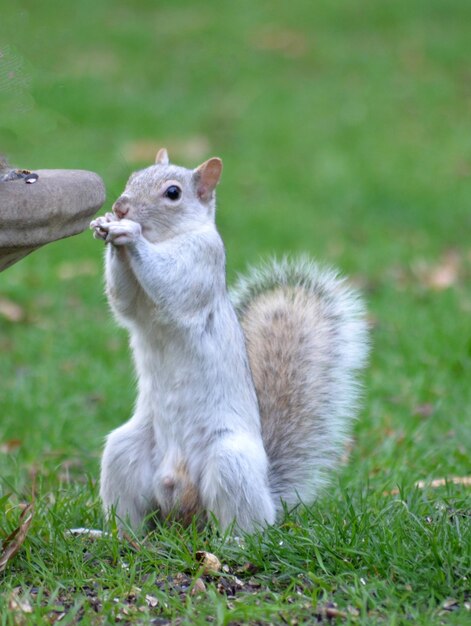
(306, 338)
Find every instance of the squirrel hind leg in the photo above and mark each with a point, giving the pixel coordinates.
(234, 483)
(305, 343)
(126, 474)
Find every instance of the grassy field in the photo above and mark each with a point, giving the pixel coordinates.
(345, 129)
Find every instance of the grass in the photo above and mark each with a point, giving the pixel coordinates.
(345, 132)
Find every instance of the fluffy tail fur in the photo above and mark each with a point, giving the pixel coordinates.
(306, 338)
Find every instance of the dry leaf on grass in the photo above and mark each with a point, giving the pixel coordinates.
(19, 605)
(332, 612)
(69, 270)
(10, 446)
(441, 482)
(151, 601)
(15, 540)
(290, 43)
(434, 484)
(441, 275)
(144, 150)
(450, 604)
(131, 541)
(11, 311)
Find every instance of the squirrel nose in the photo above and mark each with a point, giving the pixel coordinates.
(121, 207)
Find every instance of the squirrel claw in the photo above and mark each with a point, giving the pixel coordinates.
(100, 227)
(99, 234)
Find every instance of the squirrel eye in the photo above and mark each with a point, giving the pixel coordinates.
(173, 192)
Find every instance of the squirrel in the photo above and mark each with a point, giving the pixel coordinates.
(245, 401)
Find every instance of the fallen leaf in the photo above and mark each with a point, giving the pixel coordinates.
(21, 506)
(56, 616)
(70, 269)
(9, 446)
(288, 42)
(209, 562)
(15, 540)
(11, 311)
(352, 610)
(151, 601)
(330, 611)
(450, 604)
(17, 604)
(434, 484)
(144, 150)
(441, 275)
(132, 542)
(441, 482)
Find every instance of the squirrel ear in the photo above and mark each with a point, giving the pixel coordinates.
(207, 176)
(161, 157)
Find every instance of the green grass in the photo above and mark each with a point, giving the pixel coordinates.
(345, 130)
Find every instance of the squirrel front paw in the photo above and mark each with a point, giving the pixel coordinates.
(99, 225)
(118, 232)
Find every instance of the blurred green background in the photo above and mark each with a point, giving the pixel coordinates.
(345, 130)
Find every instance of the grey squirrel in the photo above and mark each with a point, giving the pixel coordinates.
(244, 402)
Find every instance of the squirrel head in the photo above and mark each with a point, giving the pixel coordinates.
(168, 200)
